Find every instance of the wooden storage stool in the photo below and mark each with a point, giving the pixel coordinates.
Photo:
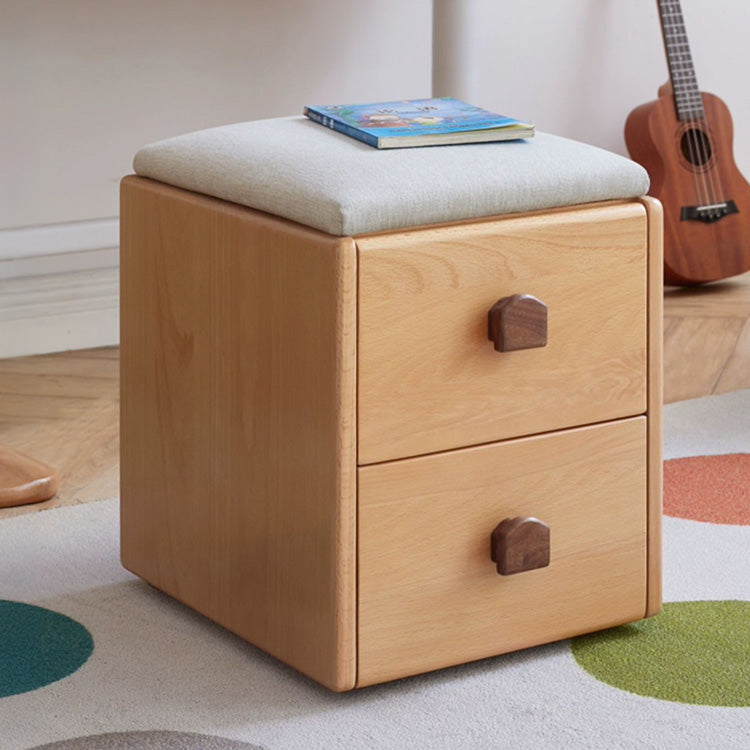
(386, 412)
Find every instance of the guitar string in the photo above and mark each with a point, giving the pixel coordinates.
(667, 8)
(704, 142)
(708, 151)
(696, 156)
(713, 189)
(667, 12)
(694, 131)
(699, 126)
(706, 155)
(697, 139)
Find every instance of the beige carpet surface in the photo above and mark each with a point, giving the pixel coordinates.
(91, 657)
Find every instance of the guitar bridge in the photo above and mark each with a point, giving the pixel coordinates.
(710, 213)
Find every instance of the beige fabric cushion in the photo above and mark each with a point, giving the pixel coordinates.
(295, 168)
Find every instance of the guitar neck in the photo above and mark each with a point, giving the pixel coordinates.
(687, 96)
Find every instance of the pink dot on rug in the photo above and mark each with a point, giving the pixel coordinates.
(712, 489)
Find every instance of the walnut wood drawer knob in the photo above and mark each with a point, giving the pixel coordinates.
(519, 544)
(518, 322)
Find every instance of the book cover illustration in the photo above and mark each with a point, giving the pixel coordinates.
(416, 119)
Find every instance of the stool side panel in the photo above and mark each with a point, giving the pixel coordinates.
(655, 400)
(238, 419)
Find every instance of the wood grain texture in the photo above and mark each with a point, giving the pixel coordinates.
(655, 403)
(64, 368)
(735, 374)
(517, 322)
(62, 409)
(707, 339)
(102, 352)
(429, 595)
(520, 544)
(23, 479)
(694, 251)
(696, 354)
(722, 299)
(238, 347)
(429, 380)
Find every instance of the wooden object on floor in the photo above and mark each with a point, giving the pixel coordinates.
(246, 495)
(706, 339)
(62, 409)
(24, 480)
(238, 352)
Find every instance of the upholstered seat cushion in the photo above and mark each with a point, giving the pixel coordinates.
(300, 170)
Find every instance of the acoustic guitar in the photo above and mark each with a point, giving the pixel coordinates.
(684, 141)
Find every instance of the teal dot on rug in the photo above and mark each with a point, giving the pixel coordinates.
(692, 652)
(38, 646)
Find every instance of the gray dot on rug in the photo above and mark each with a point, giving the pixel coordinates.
(153, 740)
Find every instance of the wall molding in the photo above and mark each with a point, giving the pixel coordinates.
(56, 239)
(59, 312)
(59, 248)
(46, 265)
(59, 287)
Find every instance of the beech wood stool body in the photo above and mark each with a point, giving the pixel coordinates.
(382, 454)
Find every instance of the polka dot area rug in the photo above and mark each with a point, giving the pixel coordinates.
(38, 647)
(713, 489)
(93, 658)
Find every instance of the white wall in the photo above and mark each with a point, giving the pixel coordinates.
(84, 83)
(578, 67)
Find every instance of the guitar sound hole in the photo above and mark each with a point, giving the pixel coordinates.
(696, 147)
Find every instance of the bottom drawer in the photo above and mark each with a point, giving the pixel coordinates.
(429, 594)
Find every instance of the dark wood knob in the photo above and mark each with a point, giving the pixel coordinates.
(518, 322)
(519, 544)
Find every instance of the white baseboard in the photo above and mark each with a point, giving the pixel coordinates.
(77, 310)
(47, 265)
(56, 239)
(58, 288)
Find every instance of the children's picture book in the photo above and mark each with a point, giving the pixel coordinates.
(418, 122)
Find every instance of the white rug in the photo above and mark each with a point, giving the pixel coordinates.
(161, 676)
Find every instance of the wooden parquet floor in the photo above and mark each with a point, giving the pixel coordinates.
(62, 409)
(707, 339)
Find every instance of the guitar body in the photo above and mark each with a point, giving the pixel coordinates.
(691, 164)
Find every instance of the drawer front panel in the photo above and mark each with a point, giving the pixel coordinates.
(429, 377)
(429, 594)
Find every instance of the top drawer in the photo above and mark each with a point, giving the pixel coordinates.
(430, 379)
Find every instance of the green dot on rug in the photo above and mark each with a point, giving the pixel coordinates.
(38, 646)
(692, 652)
